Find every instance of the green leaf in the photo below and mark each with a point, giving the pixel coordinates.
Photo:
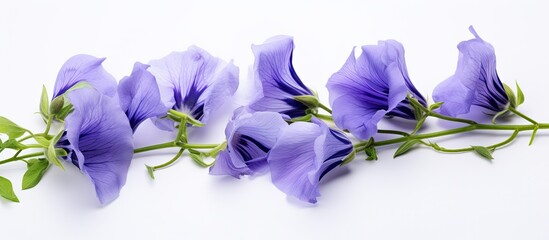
(150, 171)
(35, 170)
(436, 105)
(349, 158)
(52, 153)
(6, 190)
(371, 152)
(483, 151)
(405, 147)
(10, 128)
(44, 104)
(510, 95)
(520, 95)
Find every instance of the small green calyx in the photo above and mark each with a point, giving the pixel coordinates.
(349, 158)
(511, 95)
(514, 99)
(371, 152)
(308, 100)
(57, 105)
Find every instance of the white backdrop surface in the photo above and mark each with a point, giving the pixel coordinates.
(421, 195)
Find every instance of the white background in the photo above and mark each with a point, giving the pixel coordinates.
(422, 195)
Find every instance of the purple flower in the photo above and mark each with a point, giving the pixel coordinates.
(475, 82)
(371, 87)
(250, 137)
(84, 68)
(139, 96)
(277, 78)
(98, 140)
(193, 82)
(303, 155)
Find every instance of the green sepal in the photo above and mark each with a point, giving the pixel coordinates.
(405, 147)
(520, 95)
(419, 109)
(57, 105)
(65, 111)
(483, 152)
(6, 190)
(371, 152)
(11, 129)
(308, 100)
(150, 171)
(187, 118)
(306, 118)
(195, 122)
(52, 153)
(213, 153)
(35, 171)
(511, 95)
(61, 106)
(42, 141)
(436, 105)
(198, 158)
(12, 144)
(44, 104)
(349, 158)
(498, 115)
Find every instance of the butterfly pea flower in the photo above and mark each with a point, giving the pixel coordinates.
(193, 82)
(275, 75)
(250, 137)
(80, 68)
(303, 155)
(370, 87)
(475, 81)
(98, 140)
(139, 96)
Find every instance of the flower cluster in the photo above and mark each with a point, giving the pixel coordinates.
(285, 130)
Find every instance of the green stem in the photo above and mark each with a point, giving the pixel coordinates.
(156, 147)
(25, 138)
(327, 109)
(448, 118)
(469, 128)
(18, 158)
(168, 163)
(494, 146)
(34, 146)
(48, 124)
(200, 146)
(383, 131)
(515, 111)
(429, 112)
(324, 117)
